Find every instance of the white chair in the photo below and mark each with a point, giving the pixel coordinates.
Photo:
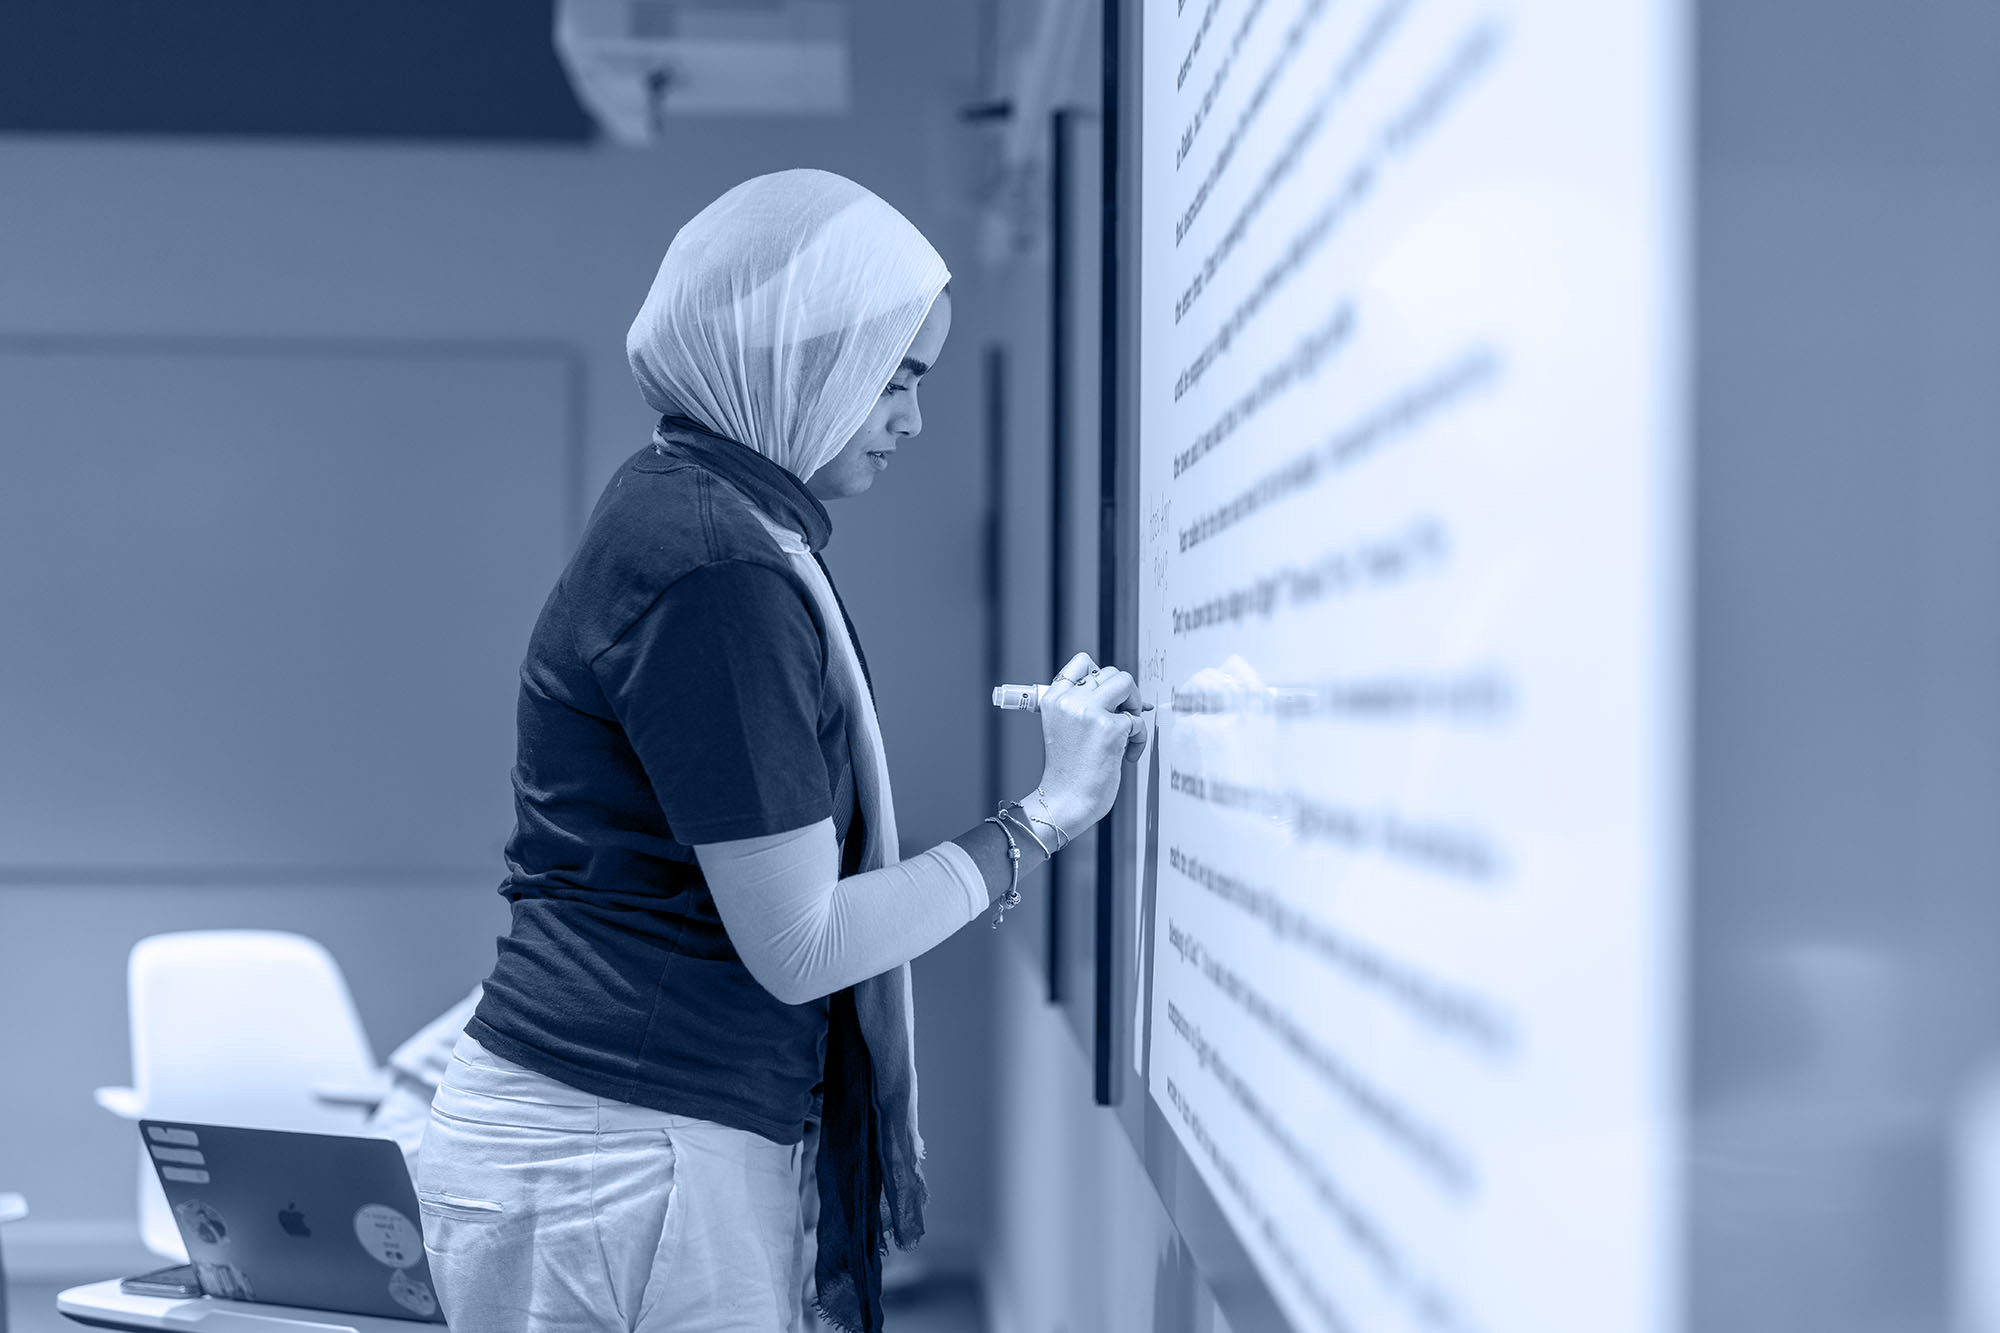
(12, 1209)
(239, 1027)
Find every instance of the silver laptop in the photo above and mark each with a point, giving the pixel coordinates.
(315, 1220)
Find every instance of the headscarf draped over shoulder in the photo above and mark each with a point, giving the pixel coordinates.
(781, 310)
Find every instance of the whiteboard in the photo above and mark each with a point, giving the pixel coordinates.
(1408, 568)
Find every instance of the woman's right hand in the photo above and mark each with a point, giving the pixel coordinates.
(1085, 739)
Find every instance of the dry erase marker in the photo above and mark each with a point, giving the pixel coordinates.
(1019, 696)
(1029, 697)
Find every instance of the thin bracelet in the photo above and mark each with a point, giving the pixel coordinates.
(1026, 824)
(1062, 839)
(1011, 898)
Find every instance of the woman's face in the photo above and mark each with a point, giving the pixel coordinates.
(894, 418)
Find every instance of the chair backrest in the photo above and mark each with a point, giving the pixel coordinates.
(12, 1209)
(236, 1026)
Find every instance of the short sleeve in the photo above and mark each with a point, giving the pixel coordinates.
(717, 687)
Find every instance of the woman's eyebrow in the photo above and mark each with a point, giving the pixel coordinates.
(916, 367)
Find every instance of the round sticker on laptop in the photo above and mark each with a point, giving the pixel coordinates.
(388, 1236)
(411, 1294)
(206, 1224)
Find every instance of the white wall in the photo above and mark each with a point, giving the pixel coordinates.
(1846, 739)
(243, 240)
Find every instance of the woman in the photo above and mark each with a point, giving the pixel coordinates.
(711, 918)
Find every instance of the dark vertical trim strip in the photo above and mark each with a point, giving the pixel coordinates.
(1059, 468)
(1110, 390)
(1059, 336)
(993, 387)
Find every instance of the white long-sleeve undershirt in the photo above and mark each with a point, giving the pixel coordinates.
(804, 932)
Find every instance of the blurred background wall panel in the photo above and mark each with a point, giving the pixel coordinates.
(176, 245)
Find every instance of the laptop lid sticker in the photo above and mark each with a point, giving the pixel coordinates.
(411, 1294)
(388, 1236)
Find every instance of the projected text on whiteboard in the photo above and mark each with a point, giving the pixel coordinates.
(1409, 468)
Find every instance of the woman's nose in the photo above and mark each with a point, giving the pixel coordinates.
(909, 418)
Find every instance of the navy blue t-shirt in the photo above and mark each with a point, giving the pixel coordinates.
(676, 691)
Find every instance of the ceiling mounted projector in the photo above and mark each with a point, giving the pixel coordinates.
(633, 63)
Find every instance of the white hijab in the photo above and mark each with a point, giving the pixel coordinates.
(781, 310)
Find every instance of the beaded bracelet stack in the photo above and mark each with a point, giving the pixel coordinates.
(1014, 812)
(1011, 898)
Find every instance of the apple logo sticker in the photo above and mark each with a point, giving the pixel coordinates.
(293, 1221)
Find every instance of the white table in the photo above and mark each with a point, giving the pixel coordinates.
(103, 1305)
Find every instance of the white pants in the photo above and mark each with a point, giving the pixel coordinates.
(546, 1209)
